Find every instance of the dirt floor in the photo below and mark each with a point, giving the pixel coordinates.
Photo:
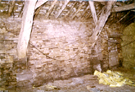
(86, 83)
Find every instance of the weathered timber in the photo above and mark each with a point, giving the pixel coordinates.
(115, 35)
(124, 8)
(39, 3)
(50, 9)
(85, 10)
(21, 12)
(11, 8)
(37, 11)
(70, 10)
(101, 22)
(78, 10)
(27, 21)
(93, 11)
(63, 7)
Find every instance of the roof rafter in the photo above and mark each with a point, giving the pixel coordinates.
(63, 7)
(11, 7)
(70, 10)
(93, 11)
(50, 9)
(85, 10)
(78, 9)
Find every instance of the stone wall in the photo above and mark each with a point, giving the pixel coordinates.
(57, 50)
(9, 30)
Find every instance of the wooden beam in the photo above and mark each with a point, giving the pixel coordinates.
(37, 11)
(93, 11)
(85, 10)
(27, 21)
(78, 9)
(88, 15)
(123, 17)
(11, 8)
(50, 9)
(21, 11)
(39, 3)
(63, 7)
(71, 8)
(124, 8)
(101, 22)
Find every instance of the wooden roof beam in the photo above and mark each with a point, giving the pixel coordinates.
(78, 9)
(21, 11)
(88, 16)
(37, 11)
(85, 10)
(70, 10)
(93, 11)
(63, 7)
(11, 8)
(124, 8)
(50, 9)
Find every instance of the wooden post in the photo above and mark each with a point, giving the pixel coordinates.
(27, 21)
(93, 11)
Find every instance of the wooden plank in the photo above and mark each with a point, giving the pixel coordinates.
(27, 21)
(63, 7)
(39, 3)
(93, 11)
(124, 8)
(11, 8)
(78, 9)
(50, 9)
(101, 22)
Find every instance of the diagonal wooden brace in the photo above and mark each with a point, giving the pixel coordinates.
(101, 22)
(26, 26)
(93, 11)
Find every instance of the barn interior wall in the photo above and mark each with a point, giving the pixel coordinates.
(55, 48)
(60, 49)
